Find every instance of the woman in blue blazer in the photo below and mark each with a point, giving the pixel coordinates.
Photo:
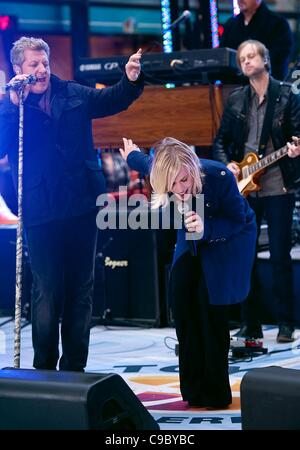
(211, 274)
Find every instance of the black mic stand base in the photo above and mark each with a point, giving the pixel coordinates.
(107, 320)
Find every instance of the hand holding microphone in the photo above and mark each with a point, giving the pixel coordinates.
(193, 222)
(18, 82)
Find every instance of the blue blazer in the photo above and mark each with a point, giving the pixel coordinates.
(227, 247)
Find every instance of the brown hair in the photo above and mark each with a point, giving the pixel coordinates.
(261, 50)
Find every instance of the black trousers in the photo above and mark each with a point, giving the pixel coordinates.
(278, 211)
(203, 336)
(62, 255)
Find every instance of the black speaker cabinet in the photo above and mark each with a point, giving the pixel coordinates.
(129, 274)
(50, 400)
(126, 275)
(270, 399)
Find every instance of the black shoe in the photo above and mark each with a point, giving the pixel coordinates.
(209, 403)
(196, 404)
(285, 334)
(250, 332)
(220, 406)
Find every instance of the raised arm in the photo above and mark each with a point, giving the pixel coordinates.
(135, 158)
(114, 99)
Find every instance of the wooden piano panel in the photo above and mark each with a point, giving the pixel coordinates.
(182, 112)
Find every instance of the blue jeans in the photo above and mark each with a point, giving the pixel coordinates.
(62, 255)
(278, 211)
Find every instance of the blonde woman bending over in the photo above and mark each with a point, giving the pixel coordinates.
(209, 275)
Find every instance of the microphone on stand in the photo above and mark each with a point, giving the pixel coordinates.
(15, 85)
(185, 15)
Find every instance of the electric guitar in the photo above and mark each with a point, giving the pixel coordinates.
(251, 168)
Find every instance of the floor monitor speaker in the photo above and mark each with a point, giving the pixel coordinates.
(50, 400)
(270, 399)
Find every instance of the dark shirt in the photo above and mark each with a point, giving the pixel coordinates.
(34, 99)
(267, 27)
(271, 181)
(229, 143)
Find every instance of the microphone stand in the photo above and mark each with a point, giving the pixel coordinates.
(106, 311)
(19, 243)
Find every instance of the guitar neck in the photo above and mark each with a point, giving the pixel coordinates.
(268, 160)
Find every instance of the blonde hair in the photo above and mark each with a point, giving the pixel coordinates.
(261, 50)
(17, 52)
(170, 156)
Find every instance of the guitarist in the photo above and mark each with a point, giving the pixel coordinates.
(265, 115)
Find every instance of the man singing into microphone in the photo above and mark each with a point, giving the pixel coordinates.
(62, 180)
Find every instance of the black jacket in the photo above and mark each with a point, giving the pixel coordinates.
(62, 177)
(231, 137)
(267, 27)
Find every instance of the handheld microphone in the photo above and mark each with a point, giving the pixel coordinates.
(185, 15)
(18, 84)
(184, 208)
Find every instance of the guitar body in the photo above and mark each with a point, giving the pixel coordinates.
(248, 183)
(251, 168)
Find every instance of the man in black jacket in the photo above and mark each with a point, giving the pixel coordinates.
(62, 180)
(256, 21)
(263, 117)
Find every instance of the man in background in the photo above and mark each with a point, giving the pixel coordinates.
(263, 117)
(257, 22)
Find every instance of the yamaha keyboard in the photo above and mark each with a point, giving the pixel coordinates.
(180, 67)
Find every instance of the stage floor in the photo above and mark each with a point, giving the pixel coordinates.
(145, 358)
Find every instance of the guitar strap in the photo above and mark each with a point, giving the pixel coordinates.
(273, 98)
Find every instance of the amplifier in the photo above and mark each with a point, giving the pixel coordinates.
(270, 399)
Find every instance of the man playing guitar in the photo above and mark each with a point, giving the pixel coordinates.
(264, 116)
